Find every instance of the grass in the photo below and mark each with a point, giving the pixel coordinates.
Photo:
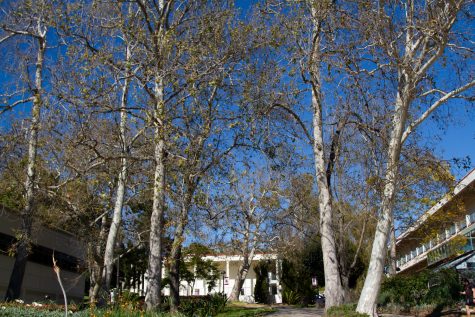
(245, 310)
(231, 310)
(33, 312)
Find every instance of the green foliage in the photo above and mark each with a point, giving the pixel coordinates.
(297, 273)
(261, 289)
(203, 306)
(290, 297)
(7, 310)
(344, 311)
(439, 288)
(195, 267)
(130, 301)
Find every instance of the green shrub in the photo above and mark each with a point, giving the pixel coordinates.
(290, 297)
(425, 288)
(344, 311)
(203, 306)
(130, 301)
(261, 289)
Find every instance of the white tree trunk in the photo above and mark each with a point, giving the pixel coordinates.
(155, 261)
(247, 256)
(121, 185)
(334, 292)
(372, 285)
(21, 257)
(96, 251)
(242, 274)
(175, 252)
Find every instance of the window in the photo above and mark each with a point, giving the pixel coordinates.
(196, 291)
(43, 255)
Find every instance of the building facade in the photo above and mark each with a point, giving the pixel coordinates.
(444, 236)
(228, 265)
(40, 280)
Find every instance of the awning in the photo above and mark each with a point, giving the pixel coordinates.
(457, 261)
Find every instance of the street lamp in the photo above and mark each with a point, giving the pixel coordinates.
(223, 273)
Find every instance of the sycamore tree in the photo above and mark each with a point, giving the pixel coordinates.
(210, 119)
(189, 53)
(415, 46)
(25, 28)
(349, 69)
(250, 202)
(317, 36)
(101, 127)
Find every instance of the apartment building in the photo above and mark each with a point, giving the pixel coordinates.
(444, 236)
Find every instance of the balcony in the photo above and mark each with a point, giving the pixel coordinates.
(455, 247)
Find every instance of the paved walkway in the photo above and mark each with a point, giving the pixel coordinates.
(297, 312)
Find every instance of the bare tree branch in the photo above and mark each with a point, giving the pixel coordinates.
(433, 107)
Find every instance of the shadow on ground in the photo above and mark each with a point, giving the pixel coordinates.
(297, 311)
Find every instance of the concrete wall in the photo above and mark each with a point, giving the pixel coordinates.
(40, 280)
(53, 239)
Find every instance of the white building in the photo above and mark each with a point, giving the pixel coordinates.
(39, 279)
(229, 266)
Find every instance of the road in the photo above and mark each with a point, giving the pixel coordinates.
(297, 312)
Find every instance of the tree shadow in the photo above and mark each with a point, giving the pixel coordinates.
(439, 312)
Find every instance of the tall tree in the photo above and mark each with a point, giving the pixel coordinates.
(250, 207)
(27, 22)
(310, 39)
(99, 59)
(208, 124)
(411, 42)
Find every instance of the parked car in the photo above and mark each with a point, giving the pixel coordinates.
(320, 300)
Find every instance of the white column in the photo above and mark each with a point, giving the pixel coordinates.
(226, 287)
(277, 277)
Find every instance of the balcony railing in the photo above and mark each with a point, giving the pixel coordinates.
(452, 248)
(439, 248)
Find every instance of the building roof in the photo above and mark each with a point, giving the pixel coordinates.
(465, 182)
(235, 257)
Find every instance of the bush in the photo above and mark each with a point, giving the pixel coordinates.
(344, 311)
(290, 297)
(425, 288)
(203, 306)
(261, 289)
(130, 301)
